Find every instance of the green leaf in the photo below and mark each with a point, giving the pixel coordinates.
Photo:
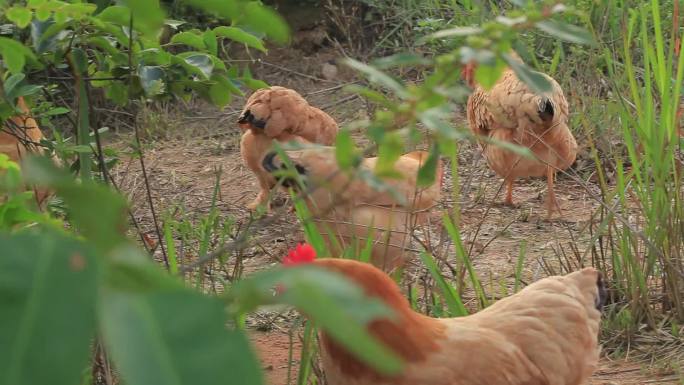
(97, 212)
(400, 59)
(390, 149)
(438, 119)
(118, 93)
(148, 15)
(41, 42)
(15, 54)
(20, 16)
(190, 39)
(200, 61)
(567, 32)
(152, 79)
(26, 90)
(535, 80)
(263, 19)
(487, 75)
(210, 41)
(11, 83)
(376, 76)
(13, 61)
(369, 94)
(240, 36)
(116, 14)
(428, 171)
(333, 302)
(47, 297)
(220, 90)
(453, 300)
(57, 111)
(153, 343)
(454, 32)
(346, 153)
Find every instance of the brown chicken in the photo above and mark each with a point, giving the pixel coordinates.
(511, 112)
(20, 136)
(349, 212)
(546, 334)
(280, 114)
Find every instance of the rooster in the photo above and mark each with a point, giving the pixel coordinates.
(512, 112)
(546, 334)
(280, 114)
(347, 209)
(21, 135)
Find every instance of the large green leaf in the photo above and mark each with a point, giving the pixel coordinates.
(567, 32)
(97, 212)
(346, 153)
(220, 91)
(535, 80)
(190, 39)
(152, 79)
(240, 36)
(47, 302)
(334, 303)
(374, 75)
(15, 54)
(251, 13)
(390, 149)
(148, 15)
(427, 172)
(175, 337)
(116, 14)
(264, 19)
(199, 63)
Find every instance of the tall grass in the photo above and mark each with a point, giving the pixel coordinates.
(648, 247)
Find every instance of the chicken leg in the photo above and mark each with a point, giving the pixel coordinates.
(262, 196)
(552, 204)
(509, 192)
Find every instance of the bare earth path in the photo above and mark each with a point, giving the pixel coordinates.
(183, 166)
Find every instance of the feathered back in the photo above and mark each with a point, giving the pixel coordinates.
(319, 166)
(23, 129)
(410, 335)
(554, 322)
(20, 135)
(280, 113)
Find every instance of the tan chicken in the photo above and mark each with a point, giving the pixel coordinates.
(281, 114)
(511, 112)
(546, 334)
(20, 136)
(349, 212)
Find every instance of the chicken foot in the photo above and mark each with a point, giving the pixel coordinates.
(263, 195)
(508, 201)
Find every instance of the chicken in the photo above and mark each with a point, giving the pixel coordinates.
(511, 112)
(281, 114)
(546, 334)
(21, 135)
(348, 211)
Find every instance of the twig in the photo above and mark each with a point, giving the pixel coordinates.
(148, 189)
(296, 72)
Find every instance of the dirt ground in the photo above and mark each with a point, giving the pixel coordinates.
(182, 163)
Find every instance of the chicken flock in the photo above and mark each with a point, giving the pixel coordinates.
(546, 334)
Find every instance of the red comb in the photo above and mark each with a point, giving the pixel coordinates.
(303, 253)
